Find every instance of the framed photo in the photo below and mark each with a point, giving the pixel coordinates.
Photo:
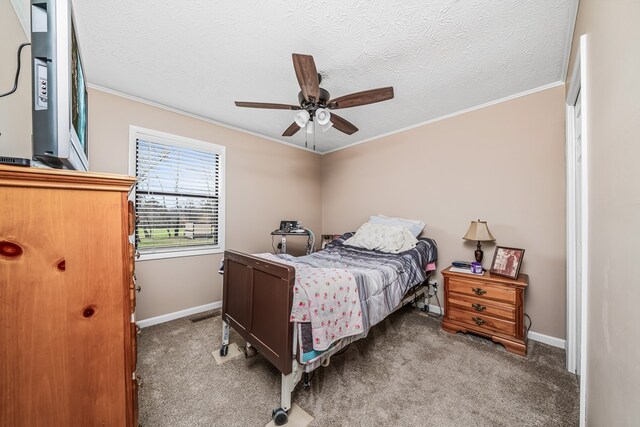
(507, 262)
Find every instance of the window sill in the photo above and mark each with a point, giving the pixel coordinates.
(179, 254)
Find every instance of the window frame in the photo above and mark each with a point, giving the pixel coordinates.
(135, 133)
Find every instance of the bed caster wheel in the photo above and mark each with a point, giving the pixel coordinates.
(224, 350)
(306, 380)
(280, 417)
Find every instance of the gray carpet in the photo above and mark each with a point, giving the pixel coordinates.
(407, 372)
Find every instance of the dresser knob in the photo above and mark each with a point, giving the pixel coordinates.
(478, 291)
(479, 307)
(478, 321)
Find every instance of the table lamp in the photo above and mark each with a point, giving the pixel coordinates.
(479, 232)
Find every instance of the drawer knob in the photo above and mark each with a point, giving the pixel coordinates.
(478, 291)
(479, 321)
(479, 307)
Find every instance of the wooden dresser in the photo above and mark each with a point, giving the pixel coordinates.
(67, 331)
(491, 306)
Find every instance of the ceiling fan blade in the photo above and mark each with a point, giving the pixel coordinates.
(361, 98)
(267, 105)
(291, 130)
(307, 75)
(343, 125)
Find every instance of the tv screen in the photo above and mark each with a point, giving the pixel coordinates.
(60, 100)
(78, 93)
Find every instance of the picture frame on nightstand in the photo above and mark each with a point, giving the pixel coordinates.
(507, 262)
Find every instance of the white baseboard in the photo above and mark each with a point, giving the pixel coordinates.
(546, 339)
(178, 314)
(432, 308)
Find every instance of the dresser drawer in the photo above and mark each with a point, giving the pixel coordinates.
(482, 306)
(483, 290)
(479, 321)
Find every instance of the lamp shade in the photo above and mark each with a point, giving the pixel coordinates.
(323, 116)
(327, 126)
(479, 232)
(302, 118)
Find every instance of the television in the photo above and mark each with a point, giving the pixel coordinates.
(60, 99)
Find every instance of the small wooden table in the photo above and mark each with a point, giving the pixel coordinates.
(486, 305)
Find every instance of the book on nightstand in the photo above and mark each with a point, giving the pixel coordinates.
(464, 270)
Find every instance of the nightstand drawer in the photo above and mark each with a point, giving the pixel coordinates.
(479, 321)
(479, 289)
(482, 306)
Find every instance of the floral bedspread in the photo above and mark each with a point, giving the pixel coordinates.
(326, 297)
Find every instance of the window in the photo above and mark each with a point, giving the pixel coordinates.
(179, 195)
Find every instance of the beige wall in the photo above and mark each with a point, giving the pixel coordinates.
(15, 109)
(261, 177)
(519, 143)
(503, 164)
(265, 182)
(613, 123)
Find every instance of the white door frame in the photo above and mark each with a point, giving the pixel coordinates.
(577, 86)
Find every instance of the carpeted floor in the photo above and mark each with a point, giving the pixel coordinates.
(407, 372)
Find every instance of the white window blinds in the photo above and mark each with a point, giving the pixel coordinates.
(178, 197)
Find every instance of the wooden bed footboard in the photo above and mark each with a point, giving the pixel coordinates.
(256, 302)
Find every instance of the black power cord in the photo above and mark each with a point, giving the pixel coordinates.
(530, 322)
(15, 83)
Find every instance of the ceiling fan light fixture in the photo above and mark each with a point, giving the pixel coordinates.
(327, 126)
(309, 128)
(323, 116)
(302, 118)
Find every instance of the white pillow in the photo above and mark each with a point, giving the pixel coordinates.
(381, 237)
(413, 225)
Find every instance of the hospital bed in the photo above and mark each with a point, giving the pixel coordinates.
(259, 291)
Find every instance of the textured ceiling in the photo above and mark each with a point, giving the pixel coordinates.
(440, 56)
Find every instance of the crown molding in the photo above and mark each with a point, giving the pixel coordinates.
(573, 17)
(269, 138)
(194, 116)
(457, 113)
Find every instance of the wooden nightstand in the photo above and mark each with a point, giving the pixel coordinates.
(490, 306)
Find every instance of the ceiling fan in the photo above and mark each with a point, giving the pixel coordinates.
(315, 101)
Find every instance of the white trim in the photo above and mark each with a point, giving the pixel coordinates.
(448, 116)
(136, 132)
(194, 116)
(435, 309)
(546, 339)
(572, 257)
(573, 16)
(180, 253)
(578, 85)
(584, 105)
(178, 314)
(432, 307)
(225, 125)
(535, 336)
